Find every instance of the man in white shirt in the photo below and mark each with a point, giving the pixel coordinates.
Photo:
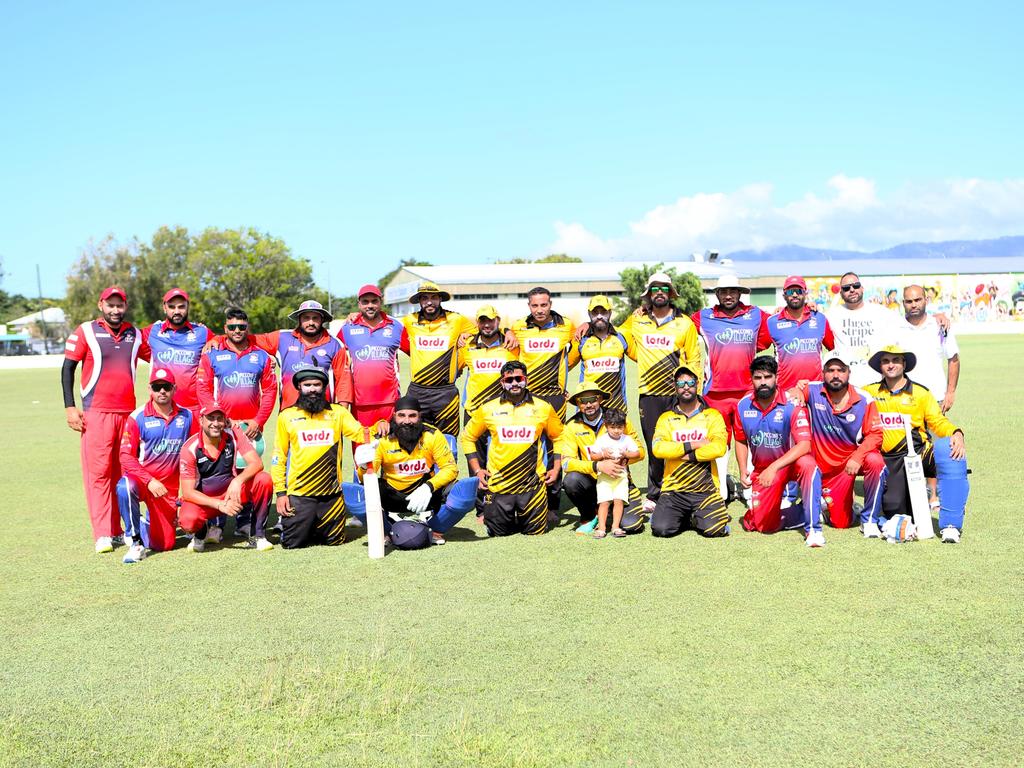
(859, 328)
(938, 356)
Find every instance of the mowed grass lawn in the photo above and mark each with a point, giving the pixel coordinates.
(553, 650)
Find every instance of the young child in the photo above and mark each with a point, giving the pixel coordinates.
(613, 444)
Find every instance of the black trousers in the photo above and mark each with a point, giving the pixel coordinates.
(678, 510)
(316, 520)
(582, 492)
(556, 401)
(440, 406)
(509, 513)
(651, 408)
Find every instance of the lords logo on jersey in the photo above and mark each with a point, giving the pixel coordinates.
(411, 468)
(512, 435)
(311, 438)
(487, 365)
(539, 346)
(432, 343)
(602, 365)
(658, 341)
(893, 421)
(688, 435)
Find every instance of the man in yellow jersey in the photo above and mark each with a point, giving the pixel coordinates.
(663, 338)
(601, 352)
(418, 477)
(580, 479)
(515, 478)
(307, 462)
(898, 399)
(689, 438)
(482, 356)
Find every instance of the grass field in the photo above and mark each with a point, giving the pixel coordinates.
(553, 650)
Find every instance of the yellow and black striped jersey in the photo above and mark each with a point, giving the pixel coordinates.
(307, 457)
(514, 456)
(483, 371)
(403, 470)
(544, 352)
(574, 445)
(661, 348)
(916, 402)
(603, 364)
(433, 347)
(672, 437)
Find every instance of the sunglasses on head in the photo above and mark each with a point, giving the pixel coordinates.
(513, 379)
(691, 383)
(588, 399)
(661, 289)
(161, 386)
(236, 326)
(850, 287)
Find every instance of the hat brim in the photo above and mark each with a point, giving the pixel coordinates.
(739, 288)
(327, 316)
(309, 373)
(909, 360)
(415, 298)
(588, 391)
(688, 369)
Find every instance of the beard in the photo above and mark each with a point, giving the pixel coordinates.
(835, 385)
(407, 435)
(765, 392)
(312, 402)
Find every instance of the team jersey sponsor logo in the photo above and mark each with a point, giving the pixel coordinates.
(801, 422)
(688, 435)
(487, 364)
(891, 420)
(322, 352)
(851, 417)
(356, 331)
(388, 332)
(658, 341)
(801, 346)
(312, 438)
(293, 349)
(222, 358)
(411, 468)
(239, 379)
(168, 445)
(784, 324)
(602, 365)
(779, 416)
(539, 346)
(513, 435)
(735, 336)
(766, 440)
(750, 414)
(369, 353)
(820, 407)
(432, 343)
(177, 356)
(150, 423)
(254, 358)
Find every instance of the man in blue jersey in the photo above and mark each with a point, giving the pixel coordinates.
(177, 345)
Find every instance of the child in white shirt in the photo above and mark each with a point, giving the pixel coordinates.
(613, 491)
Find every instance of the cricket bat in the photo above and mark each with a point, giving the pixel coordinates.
(917, 487)
(375, 514)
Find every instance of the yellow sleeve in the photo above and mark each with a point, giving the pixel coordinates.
(466, 325)
(631, 431)
(569, 449)
(447, 469)
(553, 428)
(627, 336)
(935, 419)
(350, 427)
(463, 359)
(473, 432)
(574, 354)
(279, 463)
(662, 445)
(718, 437)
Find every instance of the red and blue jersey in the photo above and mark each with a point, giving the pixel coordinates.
(772, 432)
(211, 472)
(109, 359)
(178, 350)
(243, 382)
(293, 352)
(839, 433)
(151, 444)
(373, 353)
(732, 342)
(798, 345)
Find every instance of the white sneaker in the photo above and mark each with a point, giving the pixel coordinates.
(436, 538)
(136, 552)
(871, 531)
(649, 505)
(104, 544)
(197, 544)
(815, 539)
(262, 544)
(950, 535)
(215, 534)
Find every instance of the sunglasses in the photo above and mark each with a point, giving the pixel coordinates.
(689, 383)
(850, 287)
(661, 289)
(794, 292)
(513, 380)
(161, 386)
(588, 399)
(236, 326)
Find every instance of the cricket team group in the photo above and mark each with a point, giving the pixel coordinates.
(849, 392)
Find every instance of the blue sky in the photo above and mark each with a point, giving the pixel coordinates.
(467, 132)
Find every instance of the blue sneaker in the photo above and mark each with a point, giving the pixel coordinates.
(587, 528)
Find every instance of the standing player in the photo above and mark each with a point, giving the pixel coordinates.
(858, 327)
(544, 337)
(601, 352)
(212, 484)
(689, 438)
(515, 477)
(776, 435)
(663, 339)
(150, 458)
(108, 349)
(373, 340)
(845, 435)
(177, 345)
(938, 355)
(799, 334)
(733, 334)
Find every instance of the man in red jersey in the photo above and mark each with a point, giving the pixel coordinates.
(108, 349)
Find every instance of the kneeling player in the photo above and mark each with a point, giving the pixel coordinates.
(689, 437)
(776, 434)
(213, 485)
(900, 399)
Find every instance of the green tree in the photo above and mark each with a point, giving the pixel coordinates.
(382, 283)
(559, 258)
(102, 264)
(634, 283)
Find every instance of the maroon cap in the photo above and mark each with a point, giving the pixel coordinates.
(370, 288)
(209, 408)
(175, 292)
(113, 291)
(794, 281)
(161, 374)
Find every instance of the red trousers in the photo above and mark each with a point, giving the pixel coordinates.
(156, 527)
(258, 491)
(837, 488)
(101, 470)
(725, 403)
(765, 513)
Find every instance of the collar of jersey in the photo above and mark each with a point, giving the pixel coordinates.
(118, 333)
(780, 399)
(854, 397)
(498, 343)
(149, 410)
(784, 315)
(525, 400)
(184, 326)
(385, 319)
(740, 309)
(909, 388)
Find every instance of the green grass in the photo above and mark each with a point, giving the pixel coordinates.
(554, 650)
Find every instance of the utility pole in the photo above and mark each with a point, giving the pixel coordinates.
(42, 315)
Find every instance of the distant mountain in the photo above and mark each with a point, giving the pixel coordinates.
(952, 249)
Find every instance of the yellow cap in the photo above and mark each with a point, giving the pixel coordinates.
(599, 301)
(487, 311)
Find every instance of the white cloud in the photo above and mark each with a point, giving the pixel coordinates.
(851, 215)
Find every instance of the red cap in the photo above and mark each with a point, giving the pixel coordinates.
(162, 374)
(175, 292)
(206, 410)
(794, 281)
(370, 288)
(113, 291)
